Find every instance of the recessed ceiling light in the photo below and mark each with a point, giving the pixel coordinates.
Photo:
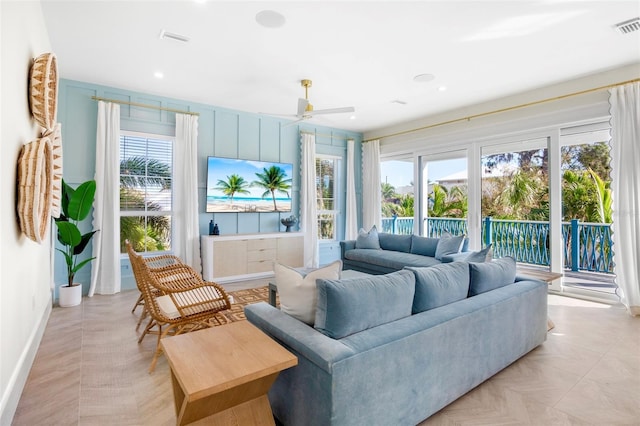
(423, 78)
(270, 19)
(158, 75)
(353, 117)
(442, 88)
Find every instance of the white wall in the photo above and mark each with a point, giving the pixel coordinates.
(25, 266)
(428, 133)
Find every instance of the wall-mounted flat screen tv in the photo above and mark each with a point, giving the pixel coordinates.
(235, 186)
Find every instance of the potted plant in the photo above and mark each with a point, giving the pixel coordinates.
(75, 205)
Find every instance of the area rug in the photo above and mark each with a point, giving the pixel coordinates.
(241, 298)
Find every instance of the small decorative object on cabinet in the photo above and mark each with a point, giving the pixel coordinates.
(76, 205)
(289, 222)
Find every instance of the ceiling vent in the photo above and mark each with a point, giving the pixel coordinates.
(164, 34)
(629, 26)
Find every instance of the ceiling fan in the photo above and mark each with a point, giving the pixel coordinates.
(306, 111)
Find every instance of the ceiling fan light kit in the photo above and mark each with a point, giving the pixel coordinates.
(305, 109)
(308, 111)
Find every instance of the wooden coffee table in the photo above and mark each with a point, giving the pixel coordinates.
(225, 372)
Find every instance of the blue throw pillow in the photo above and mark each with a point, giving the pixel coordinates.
(395, 242)
(424, 245)
(368, 240)
(491, 275)
(439, 285)
(484, 255)
(449, 244)
(348, 306)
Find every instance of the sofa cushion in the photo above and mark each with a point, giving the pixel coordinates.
(395, 260)
(395, 242)
(297, 288)
(484, 255)
(348, 306)
(440, 285)
(448, 244)
(488, 276)
(368, 240)
(424, 246)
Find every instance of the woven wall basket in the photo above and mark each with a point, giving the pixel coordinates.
(43, 90)
(55, 136)
(35, 180)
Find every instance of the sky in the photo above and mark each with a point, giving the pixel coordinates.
(400, 173)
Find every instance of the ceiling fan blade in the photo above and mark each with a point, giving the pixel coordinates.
(302, 106)
(291, 123)
(289, 116)
(334, 110)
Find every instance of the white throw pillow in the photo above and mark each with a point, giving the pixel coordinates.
(297, 288)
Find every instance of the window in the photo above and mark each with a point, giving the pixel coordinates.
(145, 191)
(326, 201)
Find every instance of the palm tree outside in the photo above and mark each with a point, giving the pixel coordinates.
(146, 232)
(273, 180)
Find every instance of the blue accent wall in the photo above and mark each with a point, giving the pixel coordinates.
(221, 132)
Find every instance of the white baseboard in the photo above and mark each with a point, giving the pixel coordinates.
(13, 392)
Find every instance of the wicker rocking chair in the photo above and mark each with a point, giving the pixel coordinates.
(177, 299)
(152, 262)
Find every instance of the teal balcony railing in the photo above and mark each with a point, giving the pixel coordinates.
(397, 225)
(527, 241)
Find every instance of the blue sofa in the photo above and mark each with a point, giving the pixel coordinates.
(396, 252)
(372, 360)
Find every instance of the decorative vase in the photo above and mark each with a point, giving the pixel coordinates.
(289, 222)
(70, 296)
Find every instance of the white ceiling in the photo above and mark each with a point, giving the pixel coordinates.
(361, 54)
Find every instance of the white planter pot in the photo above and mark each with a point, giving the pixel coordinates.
(70, 296)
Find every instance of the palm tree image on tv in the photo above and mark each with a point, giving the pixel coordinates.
(232, 185)
(273, 180)
(236, 185)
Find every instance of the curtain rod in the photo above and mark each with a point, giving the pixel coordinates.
(497, 111)
(344, 138)
(116, 101)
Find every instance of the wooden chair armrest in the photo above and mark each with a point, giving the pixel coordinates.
(162, 260)
(204, 297)
(176, 278)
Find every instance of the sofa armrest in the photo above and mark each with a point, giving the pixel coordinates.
(346, 245)
(297, 336)
(456, 257)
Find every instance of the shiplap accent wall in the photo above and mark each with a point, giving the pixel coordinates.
(221, 132)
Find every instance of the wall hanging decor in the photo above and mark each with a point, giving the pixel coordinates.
(35, 181)
(55, 136)
(43, 90)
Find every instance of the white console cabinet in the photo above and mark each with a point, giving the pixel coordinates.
(227, 258)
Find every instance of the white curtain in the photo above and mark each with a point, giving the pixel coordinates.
(186, 228)
(625, 176)
(105, 269)
(371, 197)
(351, 222)
(308, 202)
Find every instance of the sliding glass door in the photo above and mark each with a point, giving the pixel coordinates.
(444, 194)
(587, 215)
(397, 198)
